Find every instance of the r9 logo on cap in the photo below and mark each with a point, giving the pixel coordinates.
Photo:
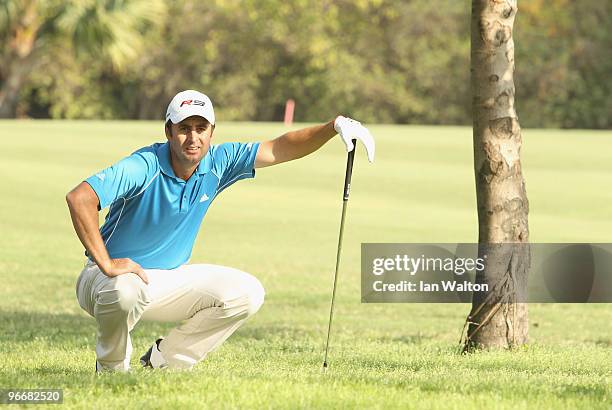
(194, 102)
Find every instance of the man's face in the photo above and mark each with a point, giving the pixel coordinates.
(189, 140)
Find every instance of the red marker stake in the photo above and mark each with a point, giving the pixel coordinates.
(289, 108)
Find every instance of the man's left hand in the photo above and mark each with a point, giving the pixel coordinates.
(350, 129)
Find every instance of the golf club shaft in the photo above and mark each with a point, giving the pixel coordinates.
(345, 197)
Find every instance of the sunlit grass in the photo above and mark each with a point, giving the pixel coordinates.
(282, 227)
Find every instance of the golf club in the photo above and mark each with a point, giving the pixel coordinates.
(347, 189)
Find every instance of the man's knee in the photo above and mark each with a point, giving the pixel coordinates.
(123, 293)
(255, 295)
(244, 299)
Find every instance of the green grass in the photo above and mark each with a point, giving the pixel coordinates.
(420, 189)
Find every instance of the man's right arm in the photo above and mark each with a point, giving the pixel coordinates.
(83, 205)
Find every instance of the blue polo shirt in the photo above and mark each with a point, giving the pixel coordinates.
(154, 216)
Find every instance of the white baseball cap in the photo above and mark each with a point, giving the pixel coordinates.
(188, 103)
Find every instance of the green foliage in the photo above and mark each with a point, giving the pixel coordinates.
(110, 29)
(562, 63)
(378, 60)
(59, 57)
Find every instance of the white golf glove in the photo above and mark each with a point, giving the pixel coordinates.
(350, 129)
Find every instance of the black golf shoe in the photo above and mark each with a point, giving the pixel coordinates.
(153, 357)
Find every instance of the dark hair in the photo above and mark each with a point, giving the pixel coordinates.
(168, 125)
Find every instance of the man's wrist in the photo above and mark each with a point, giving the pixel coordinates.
(105, 265)
(335, 122)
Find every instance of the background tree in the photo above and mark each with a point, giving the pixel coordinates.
(408, 59)
(33, 33)
(497, 319)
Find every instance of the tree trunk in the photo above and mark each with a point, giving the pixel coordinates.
(18, 61)
(497, 320)
(16, 73)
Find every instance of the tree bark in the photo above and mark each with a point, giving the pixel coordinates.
(17, 72)
(497, 320)
(18, 61)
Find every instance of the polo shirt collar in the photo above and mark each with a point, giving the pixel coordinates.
(163, 155)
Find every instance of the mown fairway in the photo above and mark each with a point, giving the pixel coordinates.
(282, 226)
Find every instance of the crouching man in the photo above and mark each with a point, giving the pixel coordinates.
(157, 198)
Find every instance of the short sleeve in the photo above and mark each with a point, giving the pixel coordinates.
(123, 179)
(236, 161)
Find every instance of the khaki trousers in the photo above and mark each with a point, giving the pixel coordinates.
(210, 301)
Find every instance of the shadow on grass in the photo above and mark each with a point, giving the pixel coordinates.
(414, 339)
(272, 332)
(78, 330)
(24, 326)
(27, 326)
